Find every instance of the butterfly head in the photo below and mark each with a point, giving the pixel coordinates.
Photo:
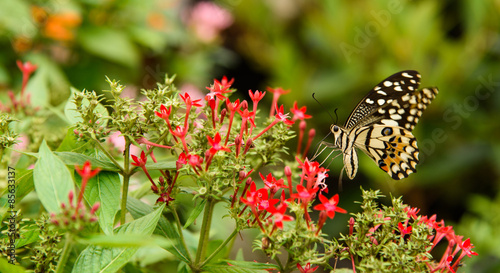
(337, 132)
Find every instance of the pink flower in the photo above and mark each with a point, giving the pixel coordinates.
(208, 19)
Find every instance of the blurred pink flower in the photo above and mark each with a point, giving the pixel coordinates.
(208, 19)
(118, 141)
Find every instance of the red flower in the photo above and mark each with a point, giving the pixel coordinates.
(329, 205)
(189, 103)
(215, 143)
(304, 195)
(182, 160)
(86, 171)
(307, 268)
(404, 229)
(254, 196)
(194, 160)
(299, 113)
(26, 67)
(139, 162)
(279, 215)
(256, 96)
(164, 112)
(219, 88)
(277, 92)
(272, 184)
(466, 246)
(280, 116)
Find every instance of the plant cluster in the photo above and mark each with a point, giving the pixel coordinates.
(213, 150)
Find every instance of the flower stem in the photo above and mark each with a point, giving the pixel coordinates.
(181, 236)
(220, 247)
(126, 180)
(65, 253)
(205, 231)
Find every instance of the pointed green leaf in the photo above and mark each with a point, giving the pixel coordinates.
(104, 259)
(105, 189)
(165, 228)
(52, 180)
(5, 266)
(24, 185)
(70, 158)
(195, 213)
(164, 165)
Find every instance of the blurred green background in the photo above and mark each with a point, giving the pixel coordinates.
(337, 49)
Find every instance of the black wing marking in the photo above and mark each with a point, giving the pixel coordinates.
(382, 95)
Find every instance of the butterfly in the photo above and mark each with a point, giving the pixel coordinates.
(381, 124)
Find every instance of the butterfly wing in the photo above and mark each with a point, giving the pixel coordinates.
(394, 149)
(382, 122)
(392, 89)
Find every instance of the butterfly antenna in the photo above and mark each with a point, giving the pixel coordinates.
(326, 109)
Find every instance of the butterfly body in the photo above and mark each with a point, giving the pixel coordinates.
(381, 124)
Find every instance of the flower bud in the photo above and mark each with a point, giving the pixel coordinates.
(244, 105)
(95, 207)
(351, 225)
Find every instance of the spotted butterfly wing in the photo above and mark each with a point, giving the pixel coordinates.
(380, 125)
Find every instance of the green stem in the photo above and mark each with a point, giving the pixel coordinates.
(65, 253)
(126, 180)
(181, 236)
(205, 231)
(221, 246)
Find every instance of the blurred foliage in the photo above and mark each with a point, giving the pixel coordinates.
(337, 49)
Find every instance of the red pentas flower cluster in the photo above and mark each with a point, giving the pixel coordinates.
(269, 212)
(228, 127)
(23, 103)
(449, 260)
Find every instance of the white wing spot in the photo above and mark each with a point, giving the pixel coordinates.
(392, 111)
(389, 122)
(406, 75)
(401, 111)
(377, 88)
(387, 83)
(380, 101)
(411, 88)
(381, 92)
(396, 117)
(398, 88)
(369, 101)
(413, 81)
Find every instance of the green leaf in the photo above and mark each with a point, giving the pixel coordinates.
(74, 116)
(5, 266)
(71, 144)
(165, 228)
(28, 235)
(105, 189)
(24, 185)
(70, 158)
(165, 165)
(105, 259)
(195, 213)
(125, 240)
(52, 180)
(110, 44)
(230, 266)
